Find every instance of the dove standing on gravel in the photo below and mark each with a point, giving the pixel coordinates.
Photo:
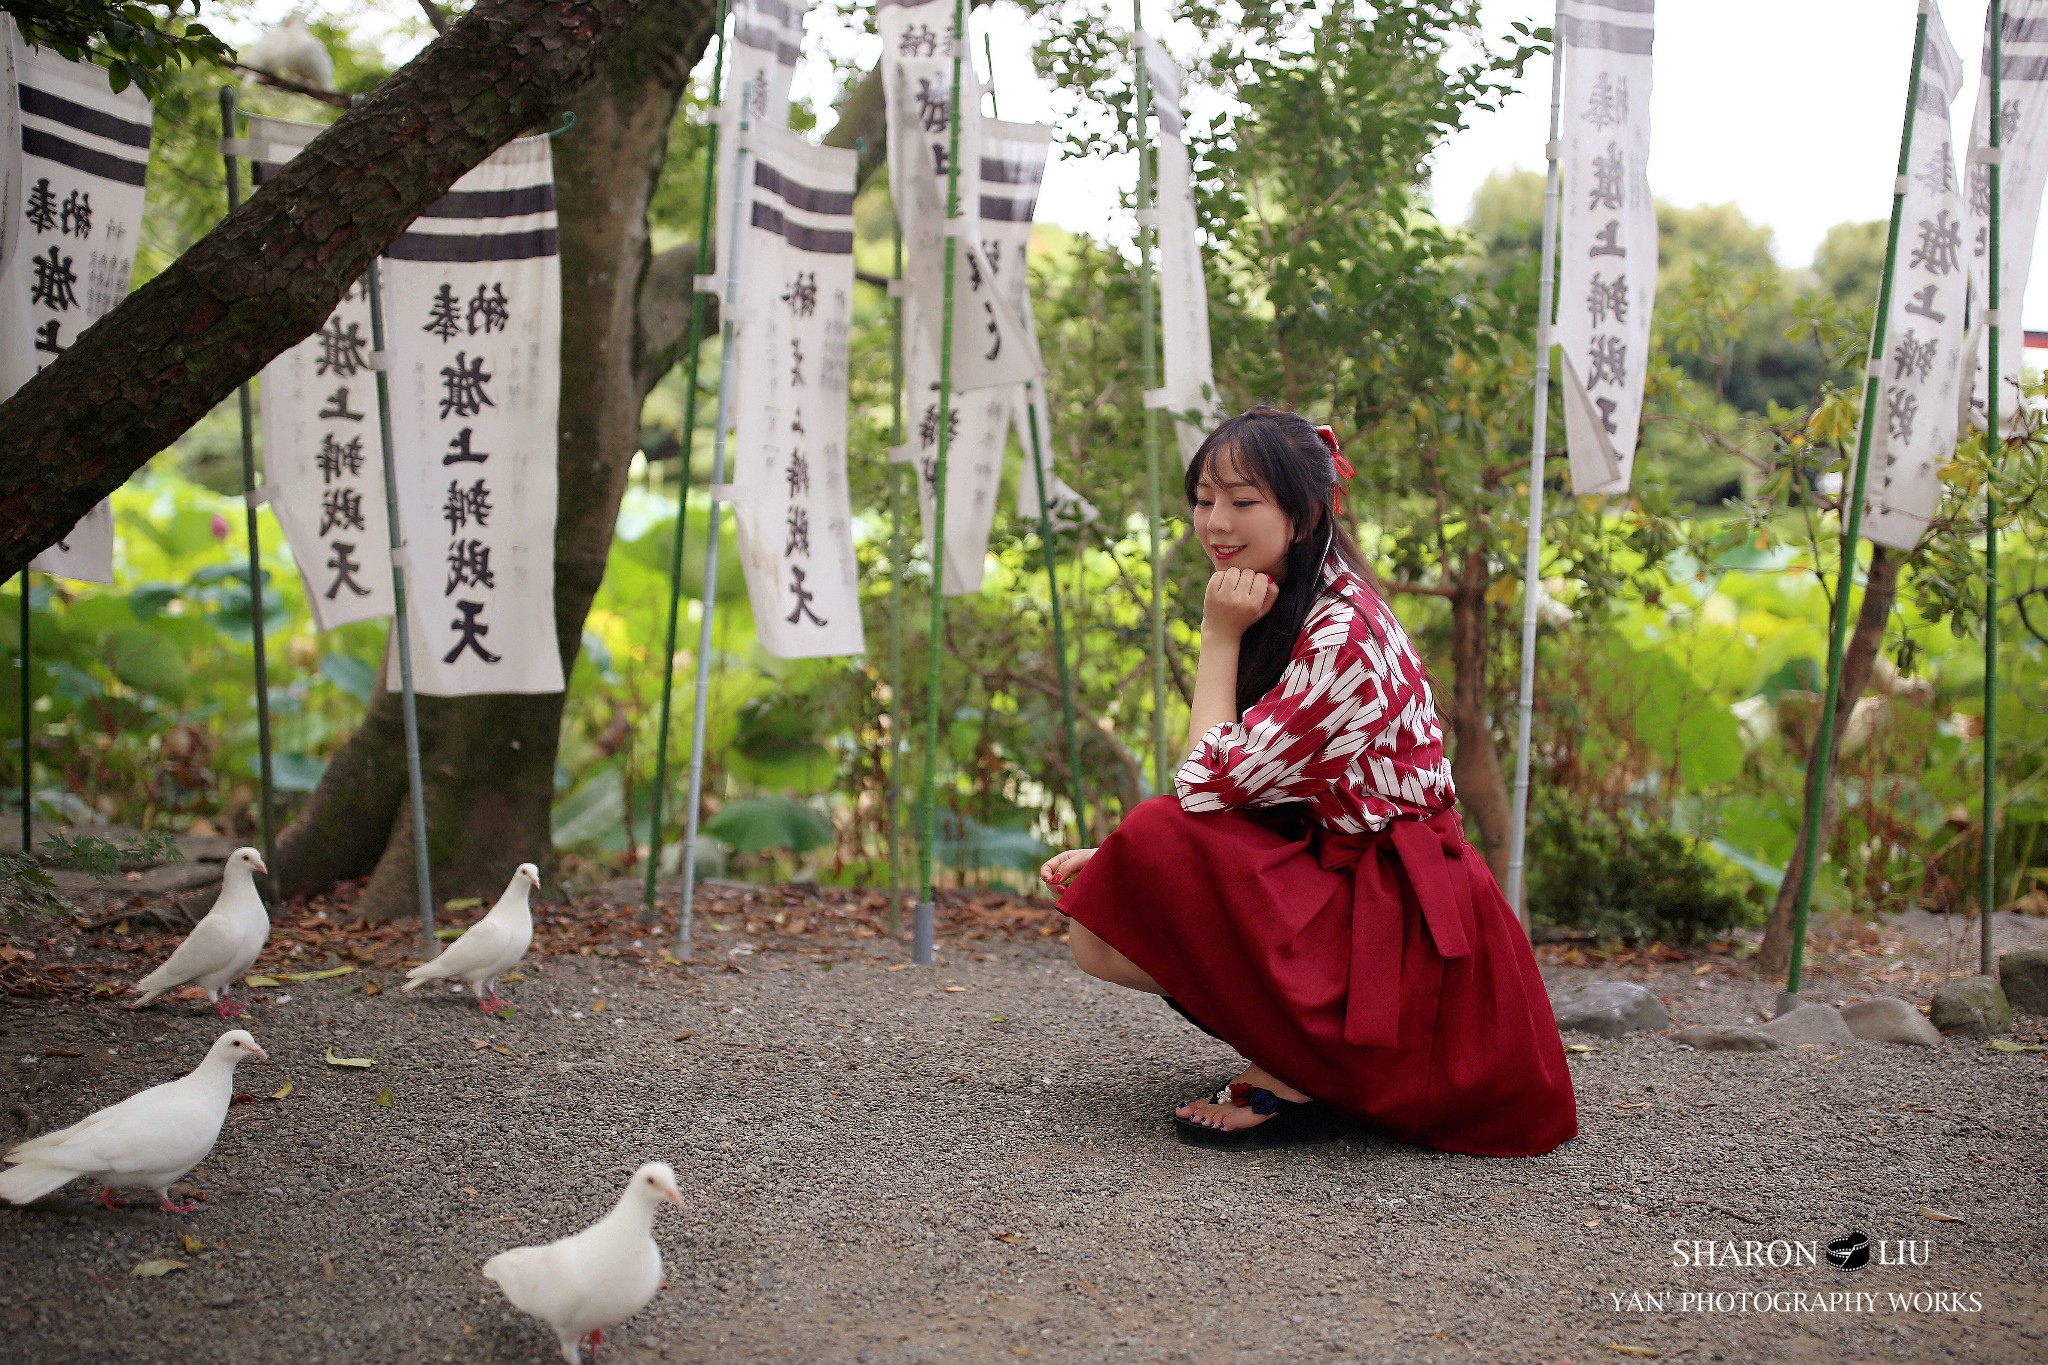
(598, 1277)
(223, 945)
(491, 947)
(147, 1141)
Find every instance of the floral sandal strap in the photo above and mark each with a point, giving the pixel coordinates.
(1243, 1095)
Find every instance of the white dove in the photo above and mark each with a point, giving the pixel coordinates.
(491, 947)
(221, 946)
(147, 1141)
(598, 1277)
(292, 51)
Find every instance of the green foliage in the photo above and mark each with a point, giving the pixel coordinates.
(27, 890)
(1616, 878)
(144, 44)
(762, 824)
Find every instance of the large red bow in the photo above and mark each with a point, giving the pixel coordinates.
(1344, 469)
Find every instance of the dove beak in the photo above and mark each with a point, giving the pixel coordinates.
(675, 1196)
(534, 879)
(261, 866)
(258, 1053)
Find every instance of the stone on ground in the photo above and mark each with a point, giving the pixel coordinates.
(1819, 1024)
(1727, 1038)
(1974, 1007)
(1890, 1021)
(1610, 1009)
(2023, 976)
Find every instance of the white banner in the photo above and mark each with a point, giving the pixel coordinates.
(472, 316)
(323, 463)
(1918, 408)
(74, 195)
(990, 347)
(767, 36)
(1608, 279)
(789, 493)
(1013, 158)
(1188, 388)
(980, 424)
(2023, 145)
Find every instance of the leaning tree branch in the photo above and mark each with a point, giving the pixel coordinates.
(314, 92)
(270, 274)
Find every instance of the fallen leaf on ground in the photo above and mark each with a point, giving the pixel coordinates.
(282, 1090)
(1640, 1104)
(74, 1052)
(149, 1270)
(372, 988)
(1592, 1222)
(1645, 1352)
(1703, 969)
(684, 1037)
(598, 1008)
(463, 903)
(481, 1044)
(669, 959)
(467, 1190)
(501, 1049)
(260, 982)
(357, 1062)
(512, 976)
(1997, 1045)
(952, 990)
(192, 1245)
(191, 993)
(448, 935)
(1937, 1215)
(1576, 1047)
(1011, 1237)
(385, 1097)
(329, 974)
(902, 966)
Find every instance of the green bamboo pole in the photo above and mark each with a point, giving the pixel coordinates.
(728, 323)
(1148, 362)
(706, 248)
(898, 735)
(401, 633)
(269, 806)
(1059, 632)
(1852, 531)
(923, 918)
(1993, 443)
(28, 786)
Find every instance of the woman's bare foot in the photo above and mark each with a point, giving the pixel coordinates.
(1230, 1117)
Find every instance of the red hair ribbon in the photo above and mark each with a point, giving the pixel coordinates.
(1344, 469)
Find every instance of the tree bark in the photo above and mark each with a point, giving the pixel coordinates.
(1475, 767)
(1881, 590)
(489, 761)
(270, 274)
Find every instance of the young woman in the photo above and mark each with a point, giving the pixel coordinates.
(1308, 895)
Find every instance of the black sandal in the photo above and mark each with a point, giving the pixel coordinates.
(1290, 1121)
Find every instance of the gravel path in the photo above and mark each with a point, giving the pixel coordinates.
(973, 1162)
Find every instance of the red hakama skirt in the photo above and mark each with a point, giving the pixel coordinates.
(1384, 973)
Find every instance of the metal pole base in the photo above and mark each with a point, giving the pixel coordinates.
(921, 946)
(1785, 1003)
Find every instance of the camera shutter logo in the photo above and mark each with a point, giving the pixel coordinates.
(1851, 1252)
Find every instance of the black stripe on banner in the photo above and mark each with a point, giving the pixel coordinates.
(1008, 210)
(36, 142)
(499, 246)
(821, 241)
(262, 173)
(2026, 68)
(83, 117)
(515, 203)
(801, 196)
(1012, 172)
(1606, 37)
(1625, 6)
(763, 39)
(2024, 30)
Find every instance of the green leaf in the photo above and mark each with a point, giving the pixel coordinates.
(291, 772)
(350, 675)
(357, 1063)
(146, 661)
(770, 823)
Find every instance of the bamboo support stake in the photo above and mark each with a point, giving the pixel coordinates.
(706, 247)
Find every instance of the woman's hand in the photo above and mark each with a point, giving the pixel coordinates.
(1235, 600)
(1060, 868)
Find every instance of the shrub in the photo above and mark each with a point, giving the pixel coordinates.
(1617, 877)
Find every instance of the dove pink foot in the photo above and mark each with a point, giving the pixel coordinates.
(227, 1007)
(106, 1200)
(170, 1205)
(596, 1339)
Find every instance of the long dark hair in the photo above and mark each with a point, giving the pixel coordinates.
(1281, 453)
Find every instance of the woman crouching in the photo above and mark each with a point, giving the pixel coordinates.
(1307, 895)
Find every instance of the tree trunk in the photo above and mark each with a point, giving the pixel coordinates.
(268, 276)
(1475, 767)
(1880, 591)
(489, 762)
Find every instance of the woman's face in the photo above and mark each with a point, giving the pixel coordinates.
(1238, 523)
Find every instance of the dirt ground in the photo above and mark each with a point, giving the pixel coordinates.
(973, 1161)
